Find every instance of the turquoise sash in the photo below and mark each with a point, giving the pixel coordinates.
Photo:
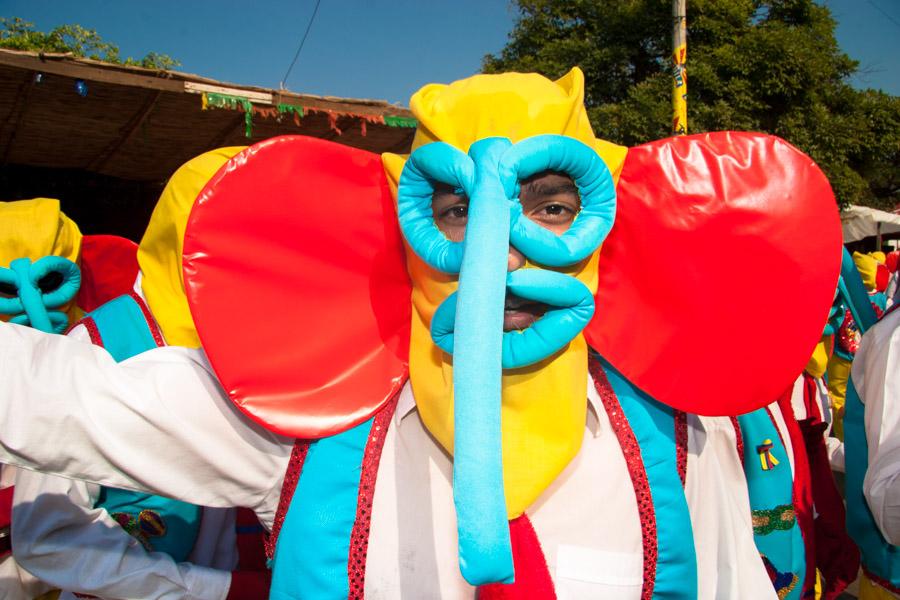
(160, 524)
(771, 486)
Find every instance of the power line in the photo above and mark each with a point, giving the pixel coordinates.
(882, 11)
(302, 41)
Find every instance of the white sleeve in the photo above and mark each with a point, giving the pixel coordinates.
(60, 538)
(876, 376)
(157, 422)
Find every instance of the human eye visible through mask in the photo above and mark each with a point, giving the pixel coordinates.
(549, 199)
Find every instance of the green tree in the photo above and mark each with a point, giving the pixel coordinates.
(753, 65)
(18, 34)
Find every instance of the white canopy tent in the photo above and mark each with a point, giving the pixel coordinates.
(860, 222)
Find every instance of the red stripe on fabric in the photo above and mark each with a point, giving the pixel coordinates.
(681, 443)
(738, 438)
(151, 322)
(775, 425)
(6, 498)
(632, 452)
(811, 398)
(291, 477)
(533, 581)
(881, 581)
(93, 331)
(359, 536)
(802, 491)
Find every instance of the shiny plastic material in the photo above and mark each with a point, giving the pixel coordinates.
(743, 222)
(300, 240)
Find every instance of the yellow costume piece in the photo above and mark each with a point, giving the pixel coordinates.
(873, 591)
(543, 407)
(867, 266)
(160, 251)
(36, 228)
(838, 373)
(818, 362)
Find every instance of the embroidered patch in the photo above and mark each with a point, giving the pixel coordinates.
(784, 583)
(767, 460)
(151, 524)
(780, 518)
(148, 524)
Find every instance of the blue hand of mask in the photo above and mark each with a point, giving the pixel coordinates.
(33, 289)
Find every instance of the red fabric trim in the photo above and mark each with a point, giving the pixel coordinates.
(6, 497)
(775, 423)
(92, 330)
(811, 398)
(251, 540)
(681, 444)
(249, 585)
(151, 322)
(359, 536)
(836, 556)
(533, 581)
(632, 452)
(291, 477)
(881, 582)
(738, 438)
(802, 491)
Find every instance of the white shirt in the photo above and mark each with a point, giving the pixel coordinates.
(876, 376)
(60, 538)
(168, 400)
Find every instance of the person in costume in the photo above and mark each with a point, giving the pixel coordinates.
(374, 421)
(33, 232)
(87, 539)
(847, 337)
(829, 546)
(870, 443)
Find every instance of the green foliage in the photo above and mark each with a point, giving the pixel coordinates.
(753, 65)
(17, 34)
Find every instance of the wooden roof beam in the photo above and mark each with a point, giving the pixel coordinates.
(127, 132)
(228, 131)
(17, 112)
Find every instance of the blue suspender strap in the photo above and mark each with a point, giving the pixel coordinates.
(653, 426)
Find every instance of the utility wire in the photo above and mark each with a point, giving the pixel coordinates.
(302, 41)
(882, 11)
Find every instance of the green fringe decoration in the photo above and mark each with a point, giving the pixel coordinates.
(214, 100)
(780, 518)
(392, 121)
(291, 109)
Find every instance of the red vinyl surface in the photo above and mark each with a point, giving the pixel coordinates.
(296, 277)
(721, 267)
(109, 268)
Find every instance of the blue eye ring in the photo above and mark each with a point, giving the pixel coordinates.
(433, 163)
(595, 185)
(68, 287)
(13, 304)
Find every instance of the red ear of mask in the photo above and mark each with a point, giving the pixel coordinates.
(890, 260)
(882, 275)
(109, 268)
(717, 277)
(296, 278)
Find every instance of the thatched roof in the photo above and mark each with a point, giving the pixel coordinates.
(141, 124)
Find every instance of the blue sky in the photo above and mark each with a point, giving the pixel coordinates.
(382, 49)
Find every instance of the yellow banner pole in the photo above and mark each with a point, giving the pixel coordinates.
(679, 73)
